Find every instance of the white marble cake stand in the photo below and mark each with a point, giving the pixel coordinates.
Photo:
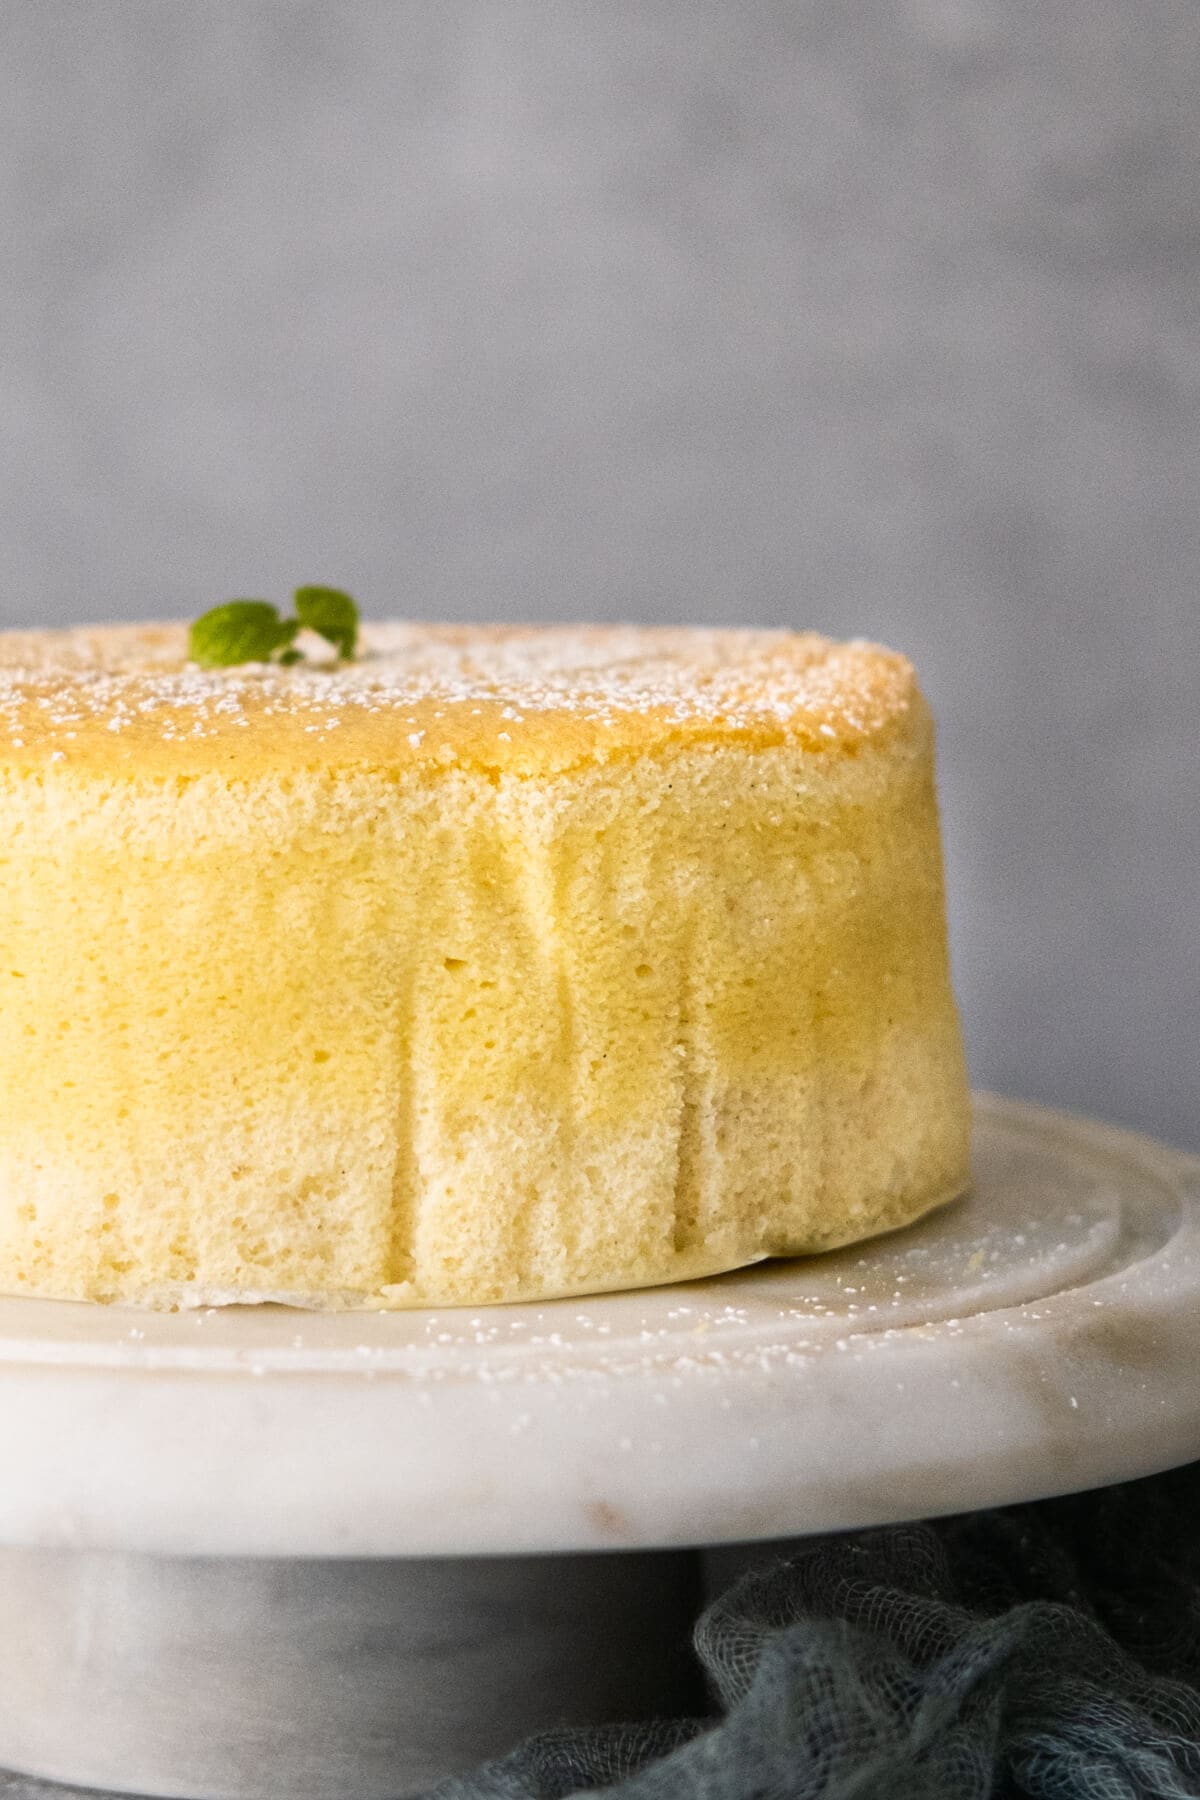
(262, 1552)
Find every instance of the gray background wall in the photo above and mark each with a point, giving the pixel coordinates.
(881, 316)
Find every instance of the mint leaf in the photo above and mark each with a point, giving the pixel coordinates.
(239, 631)
(331, 614)
(244, 631)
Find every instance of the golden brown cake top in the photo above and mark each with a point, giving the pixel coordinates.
(522, 700)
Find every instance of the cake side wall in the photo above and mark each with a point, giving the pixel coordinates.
(436, 1036)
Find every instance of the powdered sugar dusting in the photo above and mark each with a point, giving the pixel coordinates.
(422, 692)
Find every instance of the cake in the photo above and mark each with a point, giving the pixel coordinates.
(494, 964)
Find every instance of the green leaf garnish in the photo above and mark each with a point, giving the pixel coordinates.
(331, 614)
(242, 631)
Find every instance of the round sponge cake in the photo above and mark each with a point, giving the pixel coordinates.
(495, 964)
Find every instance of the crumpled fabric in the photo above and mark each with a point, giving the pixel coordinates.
(1049, 1650)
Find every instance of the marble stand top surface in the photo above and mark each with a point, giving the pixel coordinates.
(1040, 1336)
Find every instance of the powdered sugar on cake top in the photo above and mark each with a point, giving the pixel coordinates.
(416, 692)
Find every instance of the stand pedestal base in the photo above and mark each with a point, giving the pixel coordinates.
(240, 1679)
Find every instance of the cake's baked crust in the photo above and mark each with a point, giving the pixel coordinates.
(497, 965)
(529, 701)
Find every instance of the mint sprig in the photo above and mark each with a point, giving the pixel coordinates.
(241, 631)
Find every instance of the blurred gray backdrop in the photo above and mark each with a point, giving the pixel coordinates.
(880, 316)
